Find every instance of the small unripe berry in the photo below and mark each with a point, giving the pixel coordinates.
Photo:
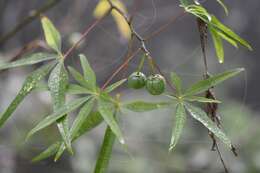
(136, 80)
(155, 84)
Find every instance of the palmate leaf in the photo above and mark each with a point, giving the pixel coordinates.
(48, 120)
(29, 84)
(89, 74)
(105, 107)
(204, 85)
(202, 117)
(52, 35)
(105, 152)
(217, 29)
(216, 23)
(180, 119)
(58, 83)
(28, 60)
(115, 85)
(141, 106)
(91, 121)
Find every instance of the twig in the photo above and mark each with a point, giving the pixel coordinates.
(211, 108)
(141, 40)
(85, 33)
(33, 15)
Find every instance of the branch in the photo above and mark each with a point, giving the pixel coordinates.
(34, 15)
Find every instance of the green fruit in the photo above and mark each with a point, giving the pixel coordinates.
(155, 84)
(136, 80)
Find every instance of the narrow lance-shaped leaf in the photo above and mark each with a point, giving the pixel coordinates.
(216, 23)
(52, 36)
(114, 85)
(77, 89)
(77, 124)
(141, 106)
(89, 74)
(91, 121)
(185, 2)
(28, 60)
(58, 83)
(200, 99)
(67, 108)
(204, 85)
(180, 119)
(106, 110)
(105, 152)
(228, 39)
(30, 83)
(218, 44)
(47, 153)
(78, 77)
(176, 81)
(202, 117)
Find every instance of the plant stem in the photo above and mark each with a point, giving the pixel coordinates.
(211, 108)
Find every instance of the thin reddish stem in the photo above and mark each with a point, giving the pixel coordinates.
(121, 67)
(85, 33)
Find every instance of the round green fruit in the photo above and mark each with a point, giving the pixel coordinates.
(155, 84)
(136, 80)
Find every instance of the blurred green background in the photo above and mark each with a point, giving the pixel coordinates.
(148, 134)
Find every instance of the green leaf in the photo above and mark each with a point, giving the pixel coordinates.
(176, 81)
(202, 117)
(105, 152)
(52, 36)
(180, 119)
(141, 106)
(200, 99)
(223, 6)
(204, 85)
(89, 74)
(106, 110)
(58, 83)
(67, 108)
(77, 89)
(216, 23)
(29, 84)
(228, 39)
(71, 89)
(81, 118)
(78, 77)
(28, 60)
(112, 87)
(185, 2)
(218, 44)
(77, 124)
(51, 150)
(91, 121)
